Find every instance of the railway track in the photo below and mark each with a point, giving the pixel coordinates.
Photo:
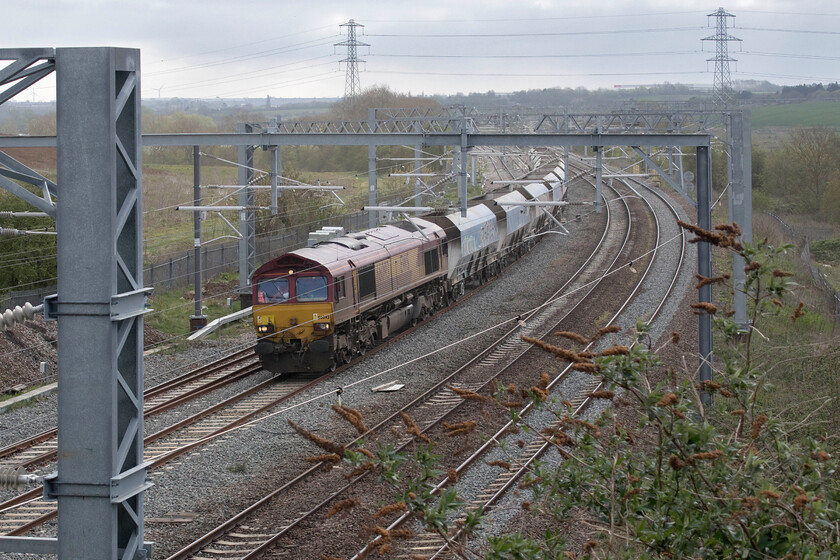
(492, 490)
(27, 510)
(253, 538)
(248, 535)
(41, 448)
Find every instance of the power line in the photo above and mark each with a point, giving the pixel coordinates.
(241, 45)
(567, 75)
(322, 41)
(538, 56)
(559, 18)
(790, 55)
(777, 30)
(547, 34)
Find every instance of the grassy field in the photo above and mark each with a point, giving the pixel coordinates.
(809, 113)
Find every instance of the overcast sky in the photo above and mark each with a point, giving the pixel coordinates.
(254, 48)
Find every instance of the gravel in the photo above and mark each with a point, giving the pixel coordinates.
(231, 472)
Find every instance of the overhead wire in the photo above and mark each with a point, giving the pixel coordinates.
(251, 43)
(320, 42)
(538, 34)
(426, 354)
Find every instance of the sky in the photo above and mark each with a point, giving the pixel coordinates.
(279, 48)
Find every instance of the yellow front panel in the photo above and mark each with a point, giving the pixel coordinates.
(294, 320)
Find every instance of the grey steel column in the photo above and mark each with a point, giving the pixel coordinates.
(599, 168)
(565, 153)
(418, 184)
(373, 215)
(198, 319)
(472, 170)
(704, 262)
(740, 202)
(247, 241)
(101, 474)
(276, 156)
(462, 169)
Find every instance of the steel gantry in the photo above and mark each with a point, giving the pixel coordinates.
(459, 131)
(101, 300)
(465, 141)
(735, 125)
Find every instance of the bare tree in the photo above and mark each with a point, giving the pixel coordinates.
(814, 152)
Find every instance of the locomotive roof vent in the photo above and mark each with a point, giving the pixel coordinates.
(323, 234)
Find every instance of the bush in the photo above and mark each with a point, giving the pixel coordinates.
(675, 469)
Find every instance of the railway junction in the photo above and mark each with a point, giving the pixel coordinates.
(100, 489)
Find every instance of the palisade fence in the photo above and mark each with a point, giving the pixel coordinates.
(801, 236)
(179, 272)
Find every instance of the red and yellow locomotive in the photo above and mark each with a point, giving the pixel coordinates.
(316, 307)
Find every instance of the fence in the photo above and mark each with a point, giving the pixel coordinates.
(179, 272)
(35, 297)
(801, 238)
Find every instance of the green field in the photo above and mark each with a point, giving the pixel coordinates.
(808, 113)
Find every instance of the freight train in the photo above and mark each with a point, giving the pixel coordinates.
(317, 307)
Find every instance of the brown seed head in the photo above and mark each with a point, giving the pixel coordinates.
(758, 423)
(676, 463)
(391, 508)
(572, 336)
(342, 506)
(605, 331)
(351, 415)
(616, 350)
(704, 307)
(668, 399)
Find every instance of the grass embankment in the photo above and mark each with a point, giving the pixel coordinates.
(802, 358)
(173, 308)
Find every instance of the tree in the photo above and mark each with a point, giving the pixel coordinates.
(814, 155)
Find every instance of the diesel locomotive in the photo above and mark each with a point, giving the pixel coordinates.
(317, 307)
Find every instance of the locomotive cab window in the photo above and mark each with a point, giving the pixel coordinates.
(431, 260)
(339, 288)
(273, 290)
(311, 288)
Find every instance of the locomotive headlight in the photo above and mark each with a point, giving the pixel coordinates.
(265, 329)
(323, 327)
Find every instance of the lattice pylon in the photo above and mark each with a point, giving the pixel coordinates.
(352, 85)
(723, 93)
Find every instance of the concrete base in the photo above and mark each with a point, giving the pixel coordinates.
(197, 322)
(28, 397)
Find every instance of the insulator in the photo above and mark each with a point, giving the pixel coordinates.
(17, 315)
(13, 478)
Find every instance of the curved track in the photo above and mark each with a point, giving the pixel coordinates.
(248, 534)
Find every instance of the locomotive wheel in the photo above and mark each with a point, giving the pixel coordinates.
(344, 356)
